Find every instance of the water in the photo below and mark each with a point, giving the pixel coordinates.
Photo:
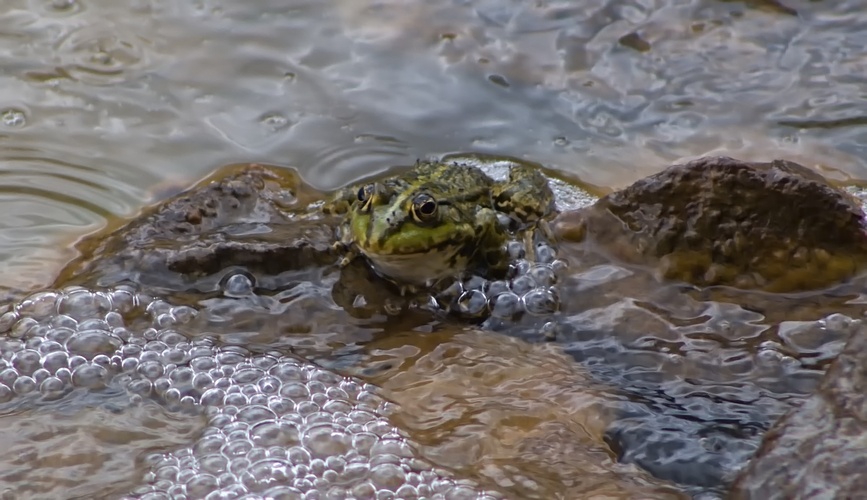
(106, 105)
(106, 101)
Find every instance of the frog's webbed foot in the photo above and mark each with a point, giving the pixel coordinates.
(537, 232)
(530, 243)
(346, 252)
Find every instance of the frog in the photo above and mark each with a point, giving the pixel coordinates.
(439, 220)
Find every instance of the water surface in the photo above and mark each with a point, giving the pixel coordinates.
(107, 105)
(105, 100)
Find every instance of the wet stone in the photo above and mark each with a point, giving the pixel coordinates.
(197, 237)
(774, 226)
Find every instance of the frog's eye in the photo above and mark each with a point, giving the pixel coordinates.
(365, 194)
(424, 208)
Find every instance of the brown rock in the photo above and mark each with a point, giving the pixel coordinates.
(775, 226)
(245, 215)
(818, 450)
(510, 412)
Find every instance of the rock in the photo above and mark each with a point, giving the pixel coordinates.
(818, 450)
(471, 426)
(774, 226)
(248, 216)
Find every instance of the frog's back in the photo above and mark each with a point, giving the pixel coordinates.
(459, 183)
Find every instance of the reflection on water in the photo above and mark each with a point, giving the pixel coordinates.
(146, 91)
(86, 447)
(522, 416)
(104, 100)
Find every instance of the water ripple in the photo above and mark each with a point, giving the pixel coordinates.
(100, 55)
(49, 196)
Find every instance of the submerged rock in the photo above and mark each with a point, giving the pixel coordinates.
(776, 226)
(818, 450)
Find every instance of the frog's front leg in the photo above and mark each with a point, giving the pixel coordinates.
(492, 241)
(345, 248)
(537, 232)
(348, 254)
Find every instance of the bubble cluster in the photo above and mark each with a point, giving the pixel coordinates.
(278, 426)
(530, 288)
(54, 342)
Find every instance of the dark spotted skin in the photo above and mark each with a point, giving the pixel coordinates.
(437, 219)
(526, 195)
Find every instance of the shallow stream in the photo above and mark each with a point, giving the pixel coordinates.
(109, 105)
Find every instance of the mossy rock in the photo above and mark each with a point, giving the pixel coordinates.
(775, 226)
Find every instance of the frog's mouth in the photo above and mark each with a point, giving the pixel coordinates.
(419, 267)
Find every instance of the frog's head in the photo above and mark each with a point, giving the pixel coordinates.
(414, 235)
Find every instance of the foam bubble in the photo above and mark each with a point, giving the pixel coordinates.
(277, 425)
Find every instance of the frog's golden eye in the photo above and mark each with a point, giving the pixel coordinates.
(424, 207)
(365, 194)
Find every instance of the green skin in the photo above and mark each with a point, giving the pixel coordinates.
(436, 220)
